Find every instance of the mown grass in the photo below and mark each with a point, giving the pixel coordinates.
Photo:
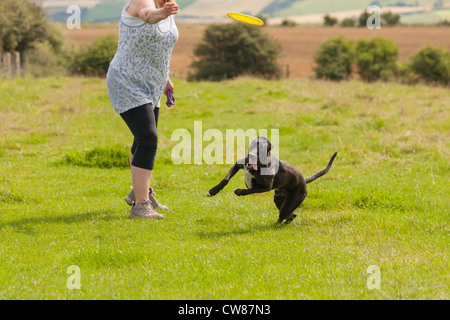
(385, 202)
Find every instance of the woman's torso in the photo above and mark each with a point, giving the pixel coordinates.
(145, 48)
(142, 61)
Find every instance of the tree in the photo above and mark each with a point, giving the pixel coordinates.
(22, 25)
(334, 59)
(362, 20)
(329, 21)
(230, 50)
(288, 23)
(390, 19)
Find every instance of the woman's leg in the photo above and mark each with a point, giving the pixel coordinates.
(141, 181)
(142, 123)
(133, 147)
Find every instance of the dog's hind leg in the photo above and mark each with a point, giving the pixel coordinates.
(279, 197)
(293, 200)
(291, 218)
(279, 200)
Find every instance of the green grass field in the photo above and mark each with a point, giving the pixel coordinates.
(428, 17)
(385, 202)
(109, 10)
(329, 6)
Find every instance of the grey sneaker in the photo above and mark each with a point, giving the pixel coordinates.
(155, 202)
(144, 209)
(156, 205)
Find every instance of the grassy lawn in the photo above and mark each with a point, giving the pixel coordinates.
(385, 202)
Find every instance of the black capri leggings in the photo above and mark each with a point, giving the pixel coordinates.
(142, 122)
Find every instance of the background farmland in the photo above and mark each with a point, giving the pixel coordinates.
(306, 11)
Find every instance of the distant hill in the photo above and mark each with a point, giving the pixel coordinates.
(303, 11)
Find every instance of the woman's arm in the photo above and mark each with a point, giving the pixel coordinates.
(147, 11)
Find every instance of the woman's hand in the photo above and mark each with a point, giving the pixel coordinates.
(147, 10)
(170, 8)
(169, 86)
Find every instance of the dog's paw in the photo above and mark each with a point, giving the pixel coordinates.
(238, 192)
(212, 192)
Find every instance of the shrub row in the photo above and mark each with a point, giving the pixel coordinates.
(388, 19)
(377, 59)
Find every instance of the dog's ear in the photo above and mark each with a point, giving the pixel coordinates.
(269, 146)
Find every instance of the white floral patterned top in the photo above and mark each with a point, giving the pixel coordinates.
(139, 71)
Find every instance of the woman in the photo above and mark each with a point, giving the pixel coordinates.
(137, 77)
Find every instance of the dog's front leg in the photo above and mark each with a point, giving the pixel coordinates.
(234, 169)
(264, 185)
(245, 192)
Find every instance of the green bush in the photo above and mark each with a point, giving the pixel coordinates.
(387, 18)
(334, 59)
(44, 62)
(51, 56)
(362, 20)
(288, 23)
(390, 19)
(432, 65)
(348, 22)
(405, 74)
(444, 23)
(95, 60)
(230, 50)
(376, 59)
(329, 21)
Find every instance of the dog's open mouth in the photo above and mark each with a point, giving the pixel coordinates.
(253, 166)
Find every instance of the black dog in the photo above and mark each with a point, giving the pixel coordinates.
(264, 172)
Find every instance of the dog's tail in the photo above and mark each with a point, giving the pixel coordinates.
(323, 172)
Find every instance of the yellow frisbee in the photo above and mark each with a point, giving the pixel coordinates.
(245, 18)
